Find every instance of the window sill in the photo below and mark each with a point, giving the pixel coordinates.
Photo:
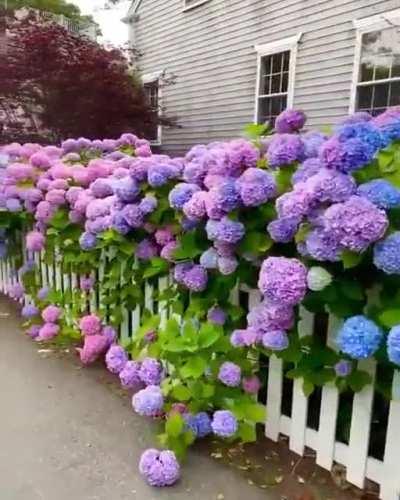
(193, 5)
(155, 143)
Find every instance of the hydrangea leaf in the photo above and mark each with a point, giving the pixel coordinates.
(386, 161)
(157, 266)
(194, 368)
(181, 393)
(390, 317)
(358, 379)
(247, 432)
(208, 335)
(174, 424)
(350, 259)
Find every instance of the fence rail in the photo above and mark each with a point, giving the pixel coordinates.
(353, 454)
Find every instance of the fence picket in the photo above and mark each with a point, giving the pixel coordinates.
(360, 428)
(300, 401)
(274, 398)
(162, 305)
(329, 410)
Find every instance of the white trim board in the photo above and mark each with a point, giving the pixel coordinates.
(186, 8)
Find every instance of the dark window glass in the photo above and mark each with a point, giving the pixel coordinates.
(151, 91)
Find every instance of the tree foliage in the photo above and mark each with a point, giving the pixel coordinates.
(71, 85)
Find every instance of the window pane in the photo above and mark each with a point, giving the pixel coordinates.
(285, 82)
(394, 94)
(286, 59)
(275, 84)
(376, 53)
(266, 65)
(364, 97)
(270, 107)
(151, 91)
(265, 84)
(381, 95)
(396, 65)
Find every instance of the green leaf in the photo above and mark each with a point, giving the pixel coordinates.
(283, 177)
(188, 247)
(255, 242)
(358, 379)
(255, 131)
(350, 259)
(308, 388)
(181, 393)
(390, 317)
(255, 412)
(194, 368)
(209, 334)
(157, 266)
(208, 391)
(174, 424)
(385, 161)
(247, 432)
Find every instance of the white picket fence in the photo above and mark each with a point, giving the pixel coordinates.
(354, 455)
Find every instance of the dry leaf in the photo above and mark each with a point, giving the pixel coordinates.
(220, 496)
(301, 479)
(278, 479)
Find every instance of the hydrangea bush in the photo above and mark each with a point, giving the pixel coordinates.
(310, 219)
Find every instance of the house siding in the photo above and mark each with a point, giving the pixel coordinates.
(210, 51)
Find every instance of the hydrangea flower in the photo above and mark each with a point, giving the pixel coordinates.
(343, 368)
(356, 223)
(87, 241)
(285, 149)
(270, 316)
(346, 156)
(322, 245)
(110, 334)
(48, 331)
(29, 311)
(90, 324)
(148, 402)
(289, 121)
(283, 230)
(283, 280)
(276, 340)
(381, 193)
(255, 186)
(330, 186)
(224, 423)
(33, 331)
(150, 371)
(86, 283)
(35, 241)
(193, 276)
(116, 359)
(318, 278)
(222, 199)
(146, 249)
(43, 293)
(93, 347)
(130, 375)
(312, 141)
(251, 385)
(203, 424)
(393, 345)
(216, 315)
(387, 255)
(159, 468)
(209, 259)
(181, 194)
(225, 230)
(195, 207)
(51, 314)
(359, 337)
(230, 374)
(227, 265)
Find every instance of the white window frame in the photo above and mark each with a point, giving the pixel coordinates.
(362, 26)
(186, 7)
(151, 78)
(286, 44)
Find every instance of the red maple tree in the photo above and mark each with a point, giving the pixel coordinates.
(67, 85)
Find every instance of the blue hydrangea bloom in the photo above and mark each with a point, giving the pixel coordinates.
(224, 423)
(284, 229)
(126, 189)
(367, 132)
(393, 345)
(87, 241)
(181, 193)
(387, 255)
(203, 424)
(381, 193)
(359, 337)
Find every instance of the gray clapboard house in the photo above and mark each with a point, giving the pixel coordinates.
(238, 61)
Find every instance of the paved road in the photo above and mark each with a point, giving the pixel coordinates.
(66, 434)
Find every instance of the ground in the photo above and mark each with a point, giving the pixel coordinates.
(69, 433)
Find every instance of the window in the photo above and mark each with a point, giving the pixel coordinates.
(275, 78)
(376, 78)
(151, 84)
(191, 4)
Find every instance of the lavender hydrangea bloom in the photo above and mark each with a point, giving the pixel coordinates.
(356, 223)
(359, 337)
(101, 188)
(322, 245)
(51, 314)
(48, 331)
(306, 170)
(343, 368)
(236, 338)
(276, 340)
(129, 375)
(146, 249)
(269, 316)
(29, 311)
(87, 241)
(225, 231)
(133, 215)
(216, 315)
(312, 141)
(116, 359)
(148, 402)
(209, 259)
(222, 199)
(224, 423)
(381, 193)
(227, 265)
(283, 230)
(359, 117)
(90, 324)
(387, 255)
(126, 189)
(148, 204)
(289, 121)
(255, 186)
(345, 156)
(168, 251)
(195, 207)
(195, 278)
(33, 331)
(331, 186)
(285, 149)
(203, 424)
(251, 385)
(393, 345)
(86, 283)
(119, 223)
(159, 468)
(230, 374)
(43, 293)
(283, 280)
(150, 371)
(296, 203)
(181, 194)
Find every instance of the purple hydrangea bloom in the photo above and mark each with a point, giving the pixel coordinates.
(86, 283)
(225, 230)
(87, 241)
(29, 311)
(159, 468)
(230, 374)
(366, 132)
(289, 121)
(343, 368)
(203, 424)
(43, 293)
(116, 359)
(331, 186)
(133, 215)
(51, 314)
(222, 199)
(296, 203)
(224, 423)
(13, 205)
(146, 249)
(101, 188)
(322, 245)
(148, 402)
(209, 259)
(90, 324)
(195, 278)
(47, 332)
(159, 174)
(237, 339)
(393, 345)
(269, 316)
(283, 230)
(387, 255)
(251, 385)
(306, 170)
(126, 189)
(16, 291)
(255, 186)
(148, 204)
(164, 235)
(110, 334)
(345, 156)
(129, 375)
(195, 207)
(216, 315)
(381, 193)
(356, 223)
(151, 371)
(168, 251)
(312, 142)
(119, 223)
(181, 194)
(285, 149)
(359, 337)
(283, 280)
(227, 265)
(33, 331)
(359, 117)
(276, 340)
